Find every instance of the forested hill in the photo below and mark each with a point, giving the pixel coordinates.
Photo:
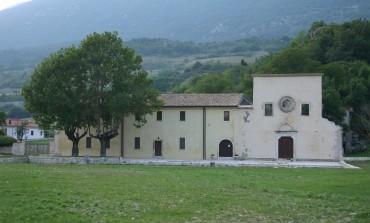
(339, 51)
(44, 22)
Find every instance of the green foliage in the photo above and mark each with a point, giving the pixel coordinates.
(22, 130)
(92, 86)
(2, 117)
(237, 79)
(10, 97)
(14, 111)
(340, 51)
(172, 48)
(6, 140)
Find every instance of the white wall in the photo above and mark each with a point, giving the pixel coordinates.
(314, 137)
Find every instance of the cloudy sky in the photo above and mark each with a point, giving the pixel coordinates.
(8, 3)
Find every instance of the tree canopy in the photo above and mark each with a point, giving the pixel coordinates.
(90, 89)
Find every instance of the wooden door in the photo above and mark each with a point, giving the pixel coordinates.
(158, 148)
(286, 147)
(225, 149)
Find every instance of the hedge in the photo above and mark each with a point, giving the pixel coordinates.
(6, 141)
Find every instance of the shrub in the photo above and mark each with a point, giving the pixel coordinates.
(6, 141)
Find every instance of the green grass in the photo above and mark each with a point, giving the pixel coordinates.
(38, 142)
(109, 193)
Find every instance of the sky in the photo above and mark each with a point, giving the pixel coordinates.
(8, 3)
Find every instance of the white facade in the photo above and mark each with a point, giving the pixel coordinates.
(227, 126)
(32, 132)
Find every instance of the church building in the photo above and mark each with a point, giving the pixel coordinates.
(284, 121)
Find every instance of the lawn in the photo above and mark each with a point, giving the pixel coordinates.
(123, 193)
(38, 142)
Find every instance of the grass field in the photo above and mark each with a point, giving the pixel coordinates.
(38, 142)
(109, 193)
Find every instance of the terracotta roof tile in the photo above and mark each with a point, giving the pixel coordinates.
(204, 100)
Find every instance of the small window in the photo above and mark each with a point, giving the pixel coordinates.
(137, 142)
(226, 115)
(182, 143)
(107, 144)
(88, 142)
(159, 115)
(31, 133)
(305, 109)
(182, 115)
(268, 109)
(41, 133)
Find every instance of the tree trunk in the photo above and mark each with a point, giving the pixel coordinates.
(75, 150)
(103, 149)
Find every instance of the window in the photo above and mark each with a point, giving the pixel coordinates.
(305, 109)
(159, 115)
(268, 109)
(137, 142)
(40, 133)
(182, 143)
(226, 115)
(107, 144)
(88, 142)
(182, 115)
(31, 133)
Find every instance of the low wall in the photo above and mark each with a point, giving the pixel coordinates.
(37, 149)
(6, 150)
(356, 158)
(14, 160)
(75, 160)
(18, 149)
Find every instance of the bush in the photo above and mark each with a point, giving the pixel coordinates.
(6, 141)
(2, 133)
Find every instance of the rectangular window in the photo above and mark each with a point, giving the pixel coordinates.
(182, 143)
(305, 109)
(107, 144)
(159, 115)
(40, 133)
(137, 142)
(268, 109)
(88, 142)
(31, 133)
(226, 115)
(182, 115)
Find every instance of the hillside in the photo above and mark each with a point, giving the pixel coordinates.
(45, 22)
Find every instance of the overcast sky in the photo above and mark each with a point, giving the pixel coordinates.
(8, 3)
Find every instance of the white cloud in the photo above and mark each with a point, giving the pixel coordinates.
(9, 3)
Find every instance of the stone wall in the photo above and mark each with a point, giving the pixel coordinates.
(37, 150)
(18, 149)
(6, 150)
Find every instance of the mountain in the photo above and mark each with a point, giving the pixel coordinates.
(45, 22)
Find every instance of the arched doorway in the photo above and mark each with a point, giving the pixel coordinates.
(286, 147)
(225, 148)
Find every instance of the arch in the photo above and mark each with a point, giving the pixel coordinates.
(286, 127)
(225, 148)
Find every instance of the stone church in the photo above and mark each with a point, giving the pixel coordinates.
(284, 121)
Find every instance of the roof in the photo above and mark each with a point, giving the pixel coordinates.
(204, 100)
(17, 122)
(288, 75)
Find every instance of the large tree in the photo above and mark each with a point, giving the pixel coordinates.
(55, 95)
(117, 86)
